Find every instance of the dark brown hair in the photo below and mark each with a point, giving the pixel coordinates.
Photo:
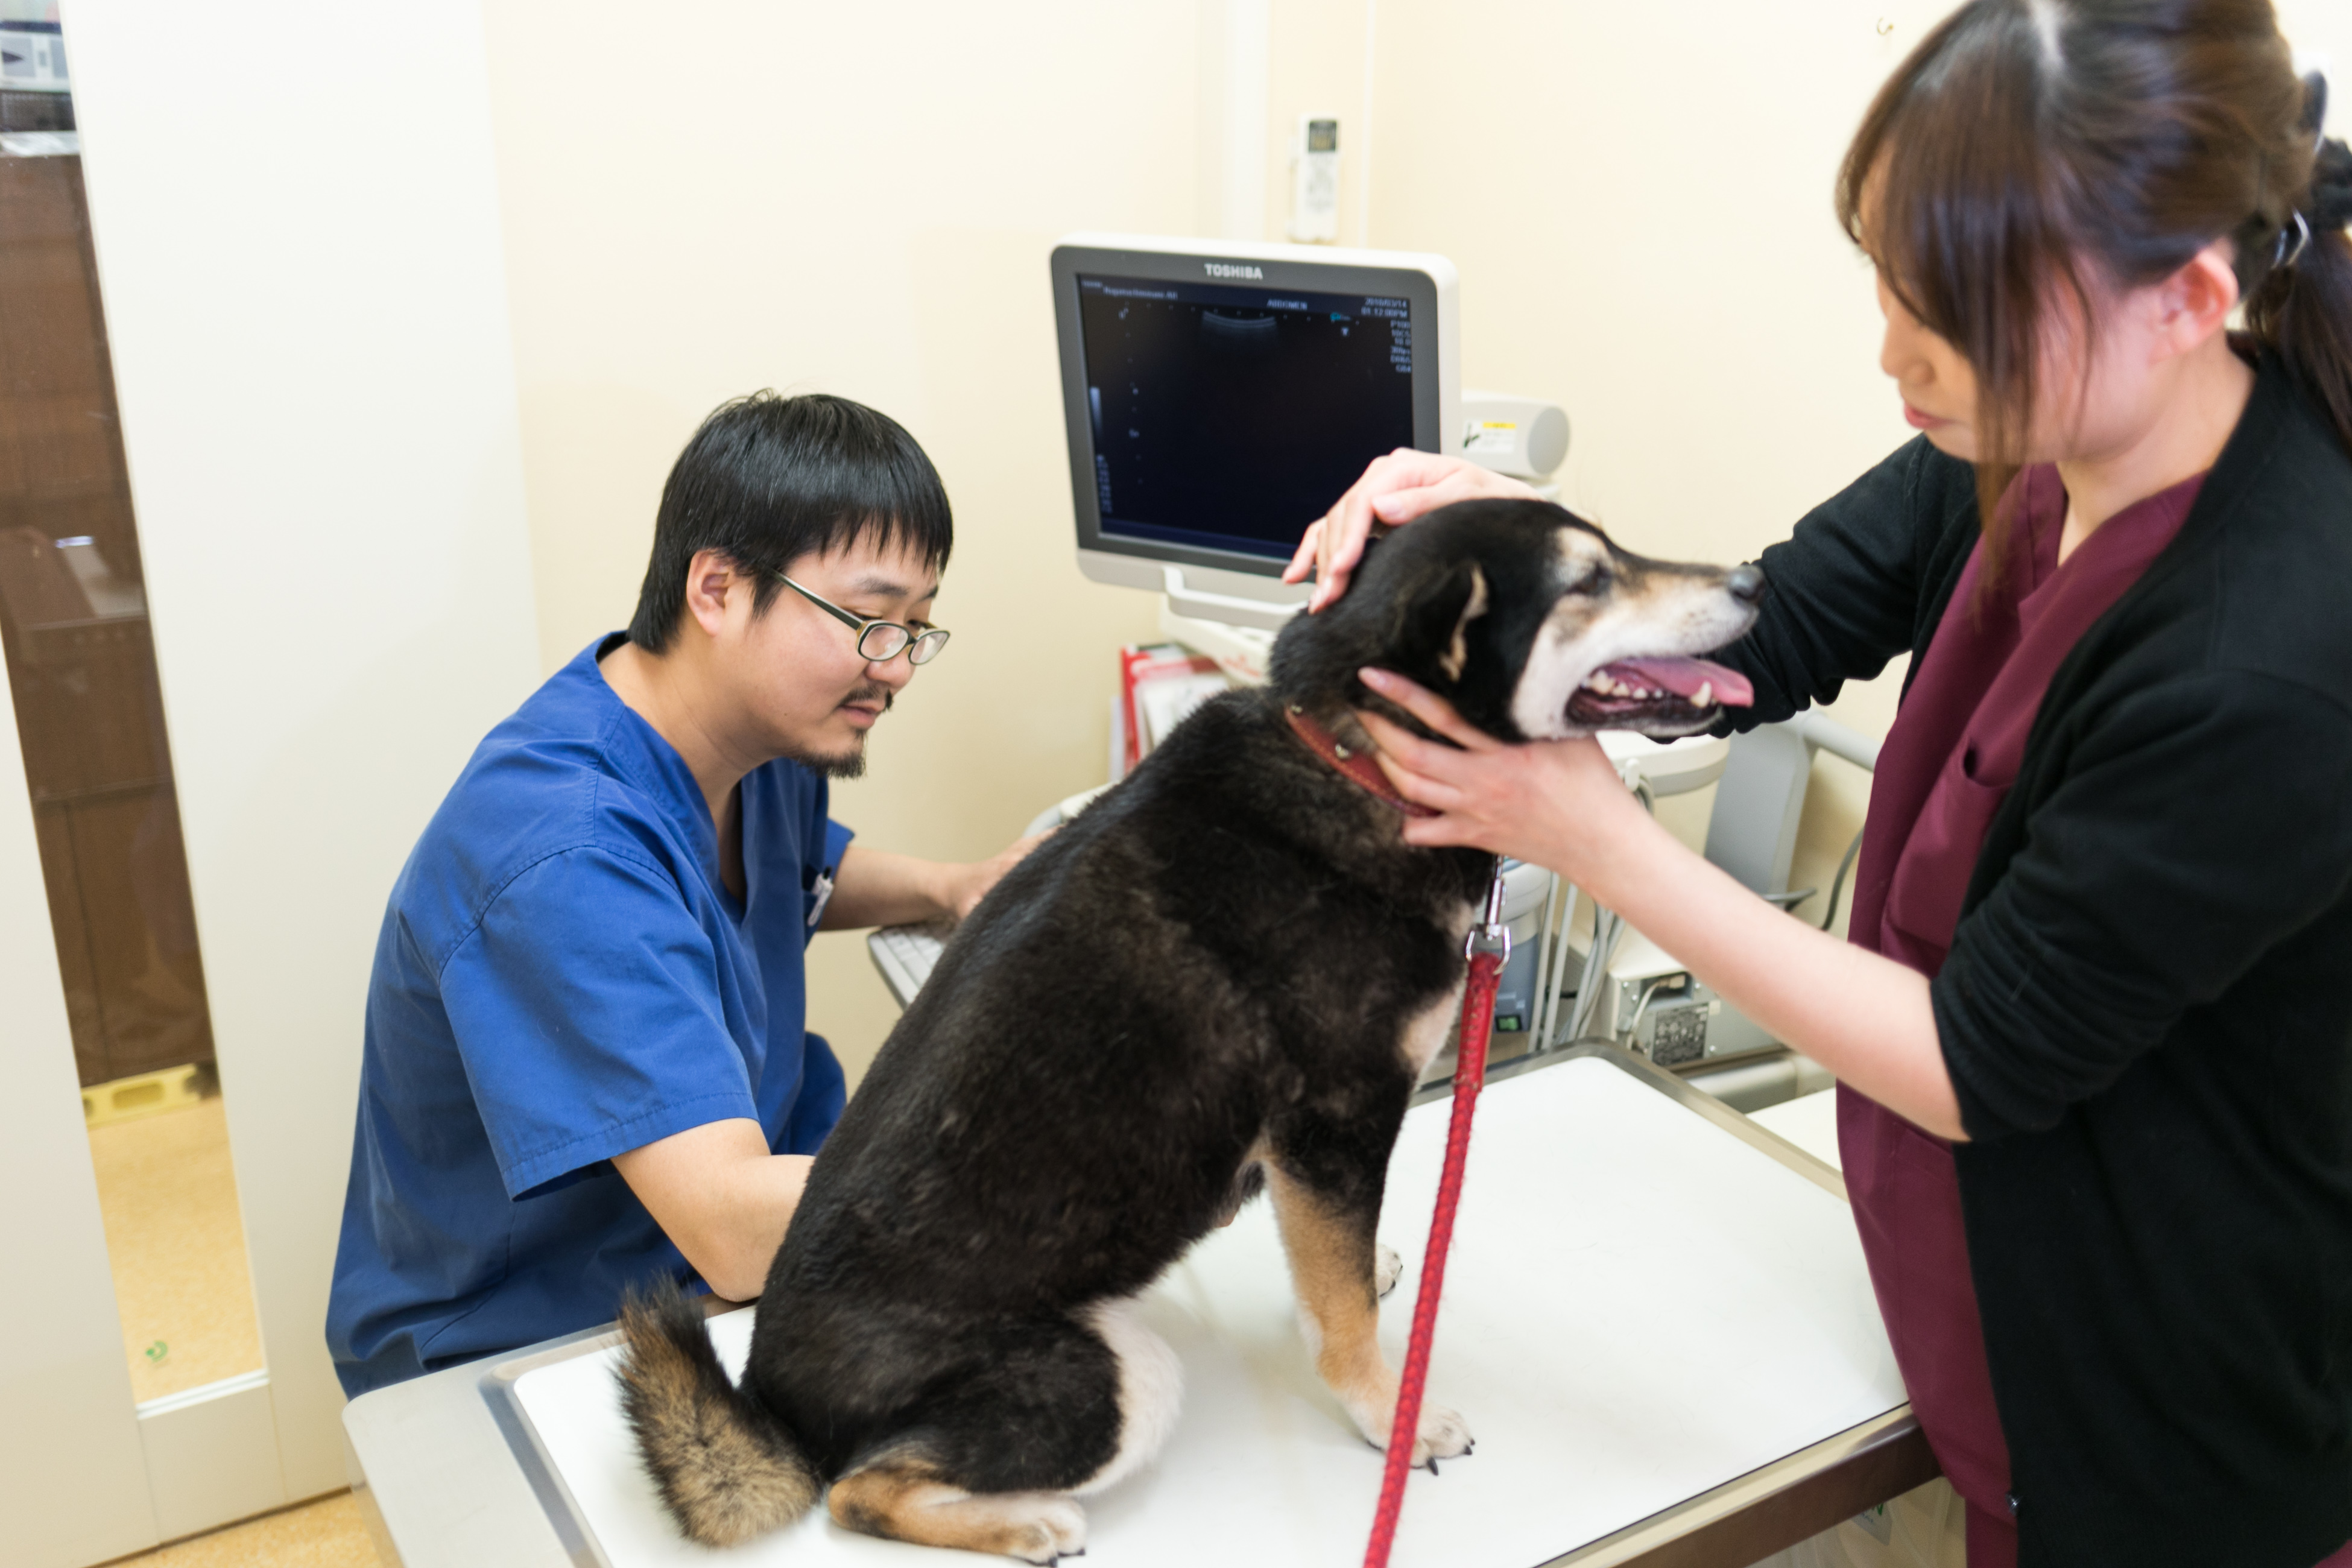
(2030, 149)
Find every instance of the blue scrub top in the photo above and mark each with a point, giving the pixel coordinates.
(563, 977)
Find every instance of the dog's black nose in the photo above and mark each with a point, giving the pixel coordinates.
(1744, 583)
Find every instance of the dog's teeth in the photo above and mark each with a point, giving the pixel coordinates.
(1705, 695)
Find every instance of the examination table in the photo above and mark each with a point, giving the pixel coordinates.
(1656, 1322)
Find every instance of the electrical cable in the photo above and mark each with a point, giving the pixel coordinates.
(1607, 926)
(1634, 1023)
(1555, 956)
(1828, 915)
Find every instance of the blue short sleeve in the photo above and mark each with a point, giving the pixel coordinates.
(589, 1009)
(564, 975)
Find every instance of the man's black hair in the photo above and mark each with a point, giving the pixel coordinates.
(768, 480)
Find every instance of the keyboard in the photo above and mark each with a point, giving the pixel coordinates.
(904, 955)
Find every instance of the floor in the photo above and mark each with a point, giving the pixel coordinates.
(176, 1244)
(177, 1248)
(327, 1533)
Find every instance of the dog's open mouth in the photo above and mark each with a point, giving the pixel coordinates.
(1681, 694)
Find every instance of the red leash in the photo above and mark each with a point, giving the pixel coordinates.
(1490, 946)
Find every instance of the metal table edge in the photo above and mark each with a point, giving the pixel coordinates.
(1891, 1442)
(538, 1467)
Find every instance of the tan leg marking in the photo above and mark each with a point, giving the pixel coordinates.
(1332, 1269)
(910, 1503)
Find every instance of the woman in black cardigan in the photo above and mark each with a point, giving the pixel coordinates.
(2095, 1027)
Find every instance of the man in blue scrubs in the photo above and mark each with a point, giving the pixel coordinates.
(586, 1065)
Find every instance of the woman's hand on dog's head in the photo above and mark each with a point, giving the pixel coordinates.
(1395, 490)
(1556, 804)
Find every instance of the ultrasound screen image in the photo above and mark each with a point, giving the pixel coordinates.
(1231, 418)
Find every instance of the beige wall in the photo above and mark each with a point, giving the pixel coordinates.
(1638, 198)
(860, 200)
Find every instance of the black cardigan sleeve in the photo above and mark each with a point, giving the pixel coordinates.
(2197, 823)
(1862, 578)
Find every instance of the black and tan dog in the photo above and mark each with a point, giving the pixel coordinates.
(1230, 971)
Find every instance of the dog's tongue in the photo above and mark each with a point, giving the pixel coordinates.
(1685, 677)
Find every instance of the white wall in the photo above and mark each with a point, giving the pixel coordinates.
(296, 222)
(72, 1480)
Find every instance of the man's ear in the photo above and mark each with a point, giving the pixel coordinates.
(709, 577)
(1434, 631)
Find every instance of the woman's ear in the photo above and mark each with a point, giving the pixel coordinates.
(2195, 302)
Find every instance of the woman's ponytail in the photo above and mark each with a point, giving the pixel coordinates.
(2300, 301)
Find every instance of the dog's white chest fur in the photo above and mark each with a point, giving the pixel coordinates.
(1426, 1031)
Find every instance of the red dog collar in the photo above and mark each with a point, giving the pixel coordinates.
(1358, 766)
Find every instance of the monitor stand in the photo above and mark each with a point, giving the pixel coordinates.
(1241, 651)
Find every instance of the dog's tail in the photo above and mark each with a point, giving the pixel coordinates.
(726, 1467)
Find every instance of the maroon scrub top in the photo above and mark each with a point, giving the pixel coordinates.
(1946, 766)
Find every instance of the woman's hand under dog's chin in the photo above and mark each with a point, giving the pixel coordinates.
(1556, 804)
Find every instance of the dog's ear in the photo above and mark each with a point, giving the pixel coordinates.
(1435, 632)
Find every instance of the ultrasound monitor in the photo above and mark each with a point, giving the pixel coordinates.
(1220, 396)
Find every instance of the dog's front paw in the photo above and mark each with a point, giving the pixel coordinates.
(1049, 1528)
(1387, 1270)
(1443, 1435)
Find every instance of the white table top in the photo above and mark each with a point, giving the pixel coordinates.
(1639, 1308)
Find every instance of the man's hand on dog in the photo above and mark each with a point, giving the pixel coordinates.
(1396, 488)
(968, 884)
(1556, 804)
(876, 887)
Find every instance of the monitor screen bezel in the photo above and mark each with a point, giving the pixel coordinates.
(1412, 284)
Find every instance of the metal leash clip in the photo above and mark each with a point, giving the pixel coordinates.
(1491, 934)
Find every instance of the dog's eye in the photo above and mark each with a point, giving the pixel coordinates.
(1594, 580)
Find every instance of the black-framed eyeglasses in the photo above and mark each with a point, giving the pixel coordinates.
(879, 641)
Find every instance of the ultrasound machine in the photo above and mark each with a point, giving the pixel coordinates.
(1217, 398)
